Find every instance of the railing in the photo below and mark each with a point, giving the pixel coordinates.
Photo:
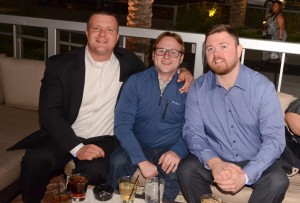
(54, 27)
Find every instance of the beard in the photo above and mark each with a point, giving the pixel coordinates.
(222, 68)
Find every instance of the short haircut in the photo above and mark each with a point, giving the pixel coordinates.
(279, 4)
(223, 28)
(177, 37)
(107, 13)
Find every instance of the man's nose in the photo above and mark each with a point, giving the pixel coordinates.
(102, 32)
(166, 55)
(216, 52)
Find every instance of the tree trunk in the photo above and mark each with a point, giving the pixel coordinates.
(238, 12)
(139, 15)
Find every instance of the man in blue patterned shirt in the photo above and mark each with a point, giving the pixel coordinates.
(234, 127)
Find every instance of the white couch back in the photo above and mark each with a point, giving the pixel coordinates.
(285, 99)
(21, 81)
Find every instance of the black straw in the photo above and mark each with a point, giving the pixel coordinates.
(137, 178)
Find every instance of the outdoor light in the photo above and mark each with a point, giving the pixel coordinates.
(212, 12)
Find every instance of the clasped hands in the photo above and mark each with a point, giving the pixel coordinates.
(228, 176)
(169, 162)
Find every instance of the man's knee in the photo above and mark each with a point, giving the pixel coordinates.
(32, 160)
(185, 166)
(280, 183)
(118, 158)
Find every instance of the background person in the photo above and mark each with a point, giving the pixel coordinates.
(149, 117)
(233, 127)
(292, 117)
(275, 29)
(76, 108)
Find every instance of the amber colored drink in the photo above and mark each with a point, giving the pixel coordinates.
(127, 189)
(78, 185)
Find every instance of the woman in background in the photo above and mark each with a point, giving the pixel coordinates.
(275, 29)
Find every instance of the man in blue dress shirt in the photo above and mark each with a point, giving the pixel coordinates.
(234, 127)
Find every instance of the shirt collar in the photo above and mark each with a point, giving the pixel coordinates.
(94, 63)
(241, 81)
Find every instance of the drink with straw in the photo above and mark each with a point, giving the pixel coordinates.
(127, 187)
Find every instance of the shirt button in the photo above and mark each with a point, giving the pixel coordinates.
(236, 155)
(234, 141)
(229, 110)
(232, 126)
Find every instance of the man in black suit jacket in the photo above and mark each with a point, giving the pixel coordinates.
(76, 108)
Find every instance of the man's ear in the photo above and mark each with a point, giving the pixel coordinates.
(153, 55)
(181, 58)
(239, 50)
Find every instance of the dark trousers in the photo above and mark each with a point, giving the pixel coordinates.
(195, 181)
(120, 165)
(46, 160)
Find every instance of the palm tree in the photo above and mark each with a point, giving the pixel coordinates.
(139, 15)
(238, 12)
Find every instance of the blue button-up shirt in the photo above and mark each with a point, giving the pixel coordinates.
(243, 123)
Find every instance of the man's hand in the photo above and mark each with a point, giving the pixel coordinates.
(148, 169)
(169, 161)
(90, 152)
(186, 76)
(219, 170)
(229, 177)
(235, 183)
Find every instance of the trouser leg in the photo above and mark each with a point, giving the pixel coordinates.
(38, 166)
(271, 186)
(194, 179)
(172, 188)
(265, 55)
(120, 165)
(97, 169)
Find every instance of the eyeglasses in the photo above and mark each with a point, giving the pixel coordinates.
(172, 52)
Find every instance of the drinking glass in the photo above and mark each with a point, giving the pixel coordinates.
(77, 184)
(127, 187)
(154, 190)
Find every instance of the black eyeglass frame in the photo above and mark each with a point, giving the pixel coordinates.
(170, 52)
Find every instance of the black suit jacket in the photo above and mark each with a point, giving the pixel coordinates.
(61, 95)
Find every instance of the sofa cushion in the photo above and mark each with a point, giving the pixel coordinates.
(1, 89)
(16, 123)
(21, 81)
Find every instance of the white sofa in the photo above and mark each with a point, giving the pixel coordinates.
(20, 81)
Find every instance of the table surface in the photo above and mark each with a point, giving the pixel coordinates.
(115, 199)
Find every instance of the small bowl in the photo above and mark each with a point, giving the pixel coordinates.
(103, 192)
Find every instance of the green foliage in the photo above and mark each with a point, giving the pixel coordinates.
(196, 19)
(246, 32)
(295, 37)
